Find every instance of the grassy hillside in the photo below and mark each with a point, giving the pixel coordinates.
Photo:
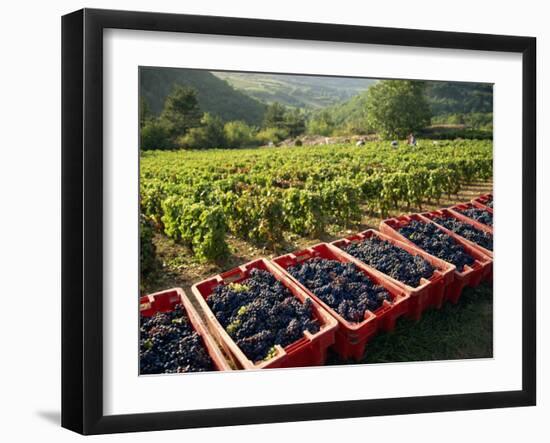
(215, 95)
(351, 110)
(296, 90)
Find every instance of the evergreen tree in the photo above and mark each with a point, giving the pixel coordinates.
(181, 111)
(275, 116)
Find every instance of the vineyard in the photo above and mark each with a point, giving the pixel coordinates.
(207, 212)
(261, 196)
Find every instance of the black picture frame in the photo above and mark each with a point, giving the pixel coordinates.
(82, 218)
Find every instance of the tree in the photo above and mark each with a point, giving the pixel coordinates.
(210, 134)
(275, 116)
(181, 111)
(271, 135)
(290, 122)
(238, 134)
(479, 120)
(294, 122)
(397, 107)
(321, 124)
(155, 134)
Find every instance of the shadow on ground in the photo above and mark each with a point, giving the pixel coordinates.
(53, 417)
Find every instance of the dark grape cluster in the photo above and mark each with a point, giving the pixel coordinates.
(481, 215)
(434, 241)
(482, 238)
(391, 260)
(342, 286)
(260, 312)
(169, 344)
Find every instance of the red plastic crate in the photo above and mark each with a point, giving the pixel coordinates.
(481, 201)
(310, 350)
(452, 214)
(470, 275)
(351, 338)
(429, 293)
(166, 301)
(462, 206)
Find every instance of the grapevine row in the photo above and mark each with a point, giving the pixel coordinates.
(199, 197)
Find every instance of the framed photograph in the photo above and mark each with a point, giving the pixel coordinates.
(269, 221)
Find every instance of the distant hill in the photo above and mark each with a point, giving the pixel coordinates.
(459, 97)
(214, 95)
(301, 91)
(243, 96)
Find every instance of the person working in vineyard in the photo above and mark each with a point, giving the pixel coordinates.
(411, 139)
